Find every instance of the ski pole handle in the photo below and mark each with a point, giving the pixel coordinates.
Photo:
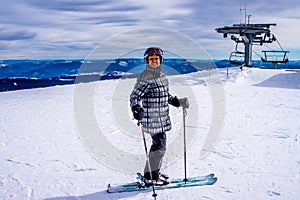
(184, 102)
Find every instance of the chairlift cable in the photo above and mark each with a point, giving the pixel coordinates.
(269, 47)
(279, 45)
(256, 53)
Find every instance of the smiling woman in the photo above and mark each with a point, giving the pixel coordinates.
(132, 44)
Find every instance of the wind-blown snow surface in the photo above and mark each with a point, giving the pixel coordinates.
(256, 155)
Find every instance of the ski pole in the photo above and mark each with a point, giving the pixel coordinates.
(147, 156)
(184, 142)
(185, 104)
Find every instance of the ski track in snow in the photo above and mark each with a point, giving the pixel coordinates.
(256, 155)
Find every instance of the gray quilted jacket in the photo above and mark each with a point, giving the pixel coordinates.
(152, 89)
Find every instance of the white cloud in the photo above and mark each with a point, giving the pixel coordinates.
(72, 27)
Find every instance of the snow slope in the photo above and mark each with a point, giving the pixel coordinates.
(43, 154)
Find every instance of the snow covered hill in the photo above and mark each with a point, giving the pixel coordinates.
(45, 154)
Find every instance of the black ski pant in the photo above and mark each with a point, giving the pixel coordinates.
(156, 154)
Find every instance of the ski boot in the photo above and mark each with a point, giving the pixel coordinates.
(161, 179)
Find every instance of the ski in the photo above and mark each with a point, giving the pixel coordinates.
(173, 183)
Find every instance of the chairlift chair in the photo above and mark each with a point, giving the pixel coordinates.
(275, 57)
(237, 58)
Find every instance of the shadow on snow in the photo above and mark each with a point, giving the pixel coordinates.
(284, 80)
(103, 195)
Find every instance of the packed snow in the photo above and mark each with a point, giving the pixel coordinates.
(44, 153)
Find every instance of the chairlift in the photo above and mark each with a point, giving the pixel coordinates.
(237, 57)
(275, 57)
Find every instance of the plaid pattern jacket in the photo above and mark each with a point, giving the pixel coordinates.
(152, 89)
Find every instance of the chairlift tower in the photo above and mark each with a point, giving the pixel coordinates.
(249, 34)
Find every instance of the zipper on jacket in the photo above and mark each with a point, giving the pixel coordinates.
(162, 127)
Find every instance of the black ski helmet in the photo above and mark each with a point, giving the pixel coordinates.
(153, 51)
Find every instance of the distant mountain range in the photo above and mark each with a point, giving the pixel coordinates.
(24, 74)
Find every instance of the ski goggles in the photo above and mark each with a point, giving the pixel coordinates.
(151, 51)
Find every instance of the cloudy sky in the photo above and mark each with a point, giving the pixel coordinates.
(74, 28)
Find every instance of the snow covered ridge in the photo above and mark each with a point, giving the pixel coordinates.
(46, 69)
(27, 74)
(289, 79)
(256, 156)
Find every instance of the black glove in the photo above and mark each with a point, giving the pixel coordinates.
(174, 102)
(184, 102)
(138, 112)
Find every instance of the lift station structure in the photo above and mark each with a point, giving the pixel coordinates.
(250, 34)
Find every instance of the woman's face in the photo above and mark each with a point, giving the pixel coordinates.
(154, 61)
